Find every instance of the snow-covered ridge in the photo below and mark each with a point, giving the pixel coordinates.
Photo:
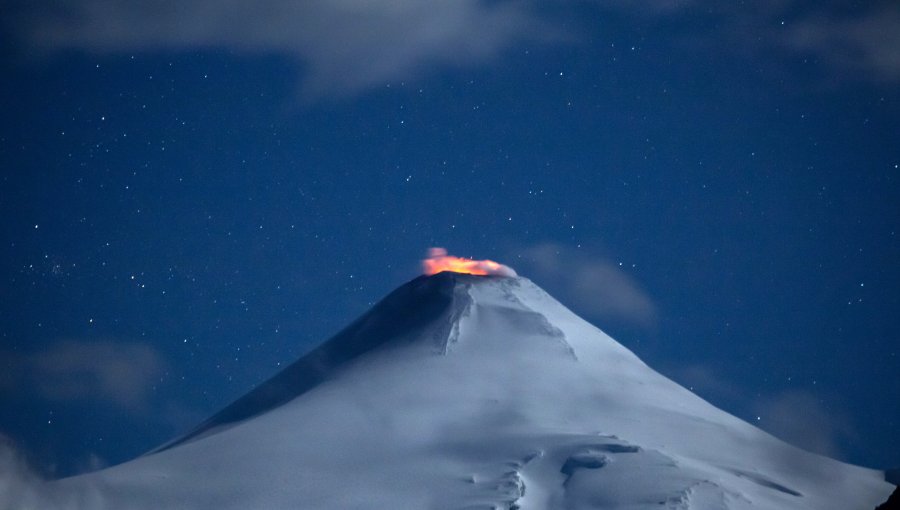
(461, 391)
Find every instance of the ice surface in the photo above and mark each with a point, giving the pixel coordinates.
(460, 391)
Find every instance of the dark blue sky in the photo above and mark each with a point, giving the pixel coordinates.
(193, 196)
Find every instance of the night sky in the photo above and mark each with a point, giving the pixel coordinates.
(193, 194)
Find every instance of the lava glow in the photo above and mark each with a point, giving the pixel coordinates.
(439, 261)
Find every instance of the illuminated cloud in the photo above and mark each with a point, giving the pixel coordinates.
(438, 260)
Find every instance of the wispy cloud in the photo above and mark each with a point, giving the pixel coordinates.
(862, 43)
(114, 377)
(803, 420)
(20, 486)
(704, 381)
(121, 373)
(794, 415)
(866, 44)
(592, 285)
(343, 46)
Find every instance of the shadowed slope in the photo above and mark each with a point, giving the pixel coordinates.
(403, 313)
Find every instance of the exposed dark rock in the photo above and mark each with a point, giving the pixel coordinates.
(893, 502)
(892, 476)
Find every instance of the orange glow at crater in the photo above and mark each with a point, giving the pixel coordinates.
(439, 261)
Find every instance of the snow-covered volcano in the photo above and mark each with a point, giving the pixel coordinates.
(460, 391)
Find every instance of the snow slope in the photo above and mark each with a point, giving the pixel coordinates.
(459, 391)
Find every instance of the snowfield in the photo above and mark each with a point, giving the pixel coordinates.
(468, 392)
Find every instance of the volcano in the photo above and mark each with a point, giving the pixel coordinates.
(461, 391)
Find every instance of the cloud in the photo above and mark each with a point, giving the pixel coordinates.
(798, 417)
(119, 372)
(705, 382)
(109, 375)
(793, 415)
(438, 260)
(862, 43)
(867, 44)
(592, 285)
(20, 487)
(649, 8)
(344, 46)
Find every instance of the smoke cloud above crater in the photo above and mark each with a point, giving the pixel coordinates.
(438, 260)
